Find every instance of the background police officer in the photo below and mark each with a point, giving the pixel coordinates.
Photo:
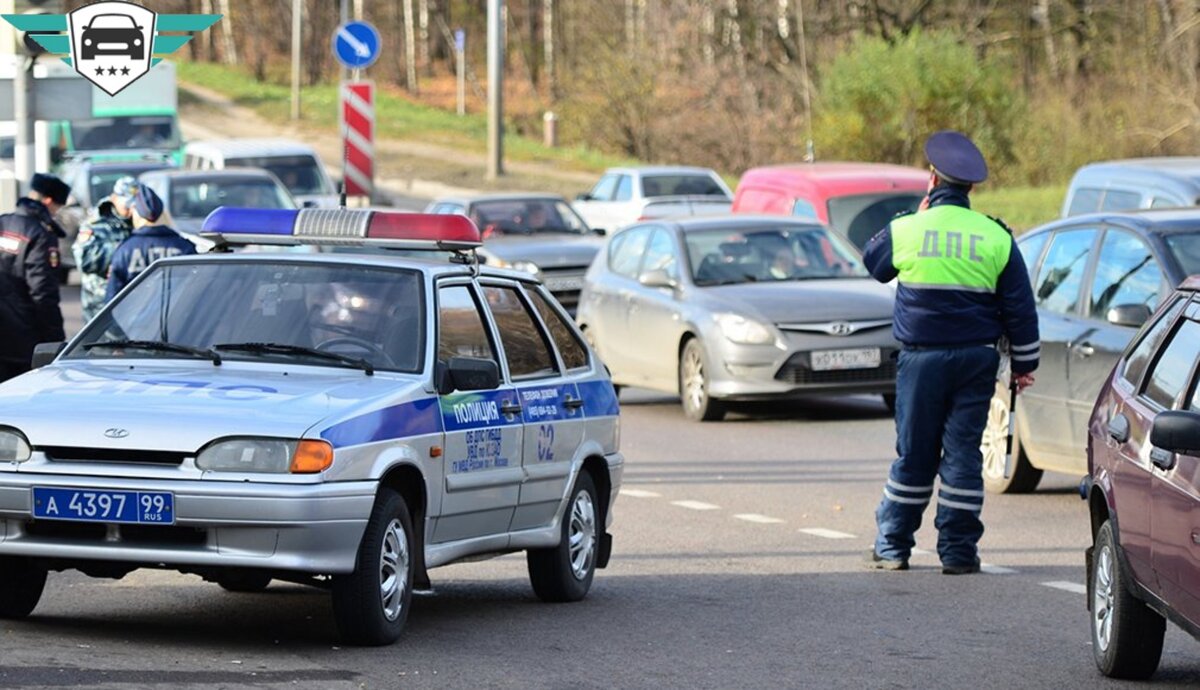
(962, 285)
(29, 261)
(150, 241)
(99, 239)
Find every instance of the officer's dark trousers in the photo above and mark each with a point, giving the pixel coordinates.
(942, 400)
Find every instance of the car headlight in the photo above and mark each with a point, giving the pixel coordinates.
(743, 331)
(87, 41)
(13, 446)
(271, 455)
(137, 41)
(518, 265)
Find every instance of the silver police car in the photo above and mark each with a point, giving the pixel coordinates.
(349, 421)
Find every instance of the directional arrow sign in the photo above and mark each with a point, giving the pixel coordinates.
(356, 45)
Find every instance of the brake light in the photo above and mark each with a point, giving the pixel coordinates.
(362, 227)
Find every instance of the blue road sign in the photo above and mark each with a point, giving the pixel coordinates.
(356, 44)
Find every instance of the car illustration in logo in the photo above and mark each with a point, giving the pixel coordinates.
(112, 34)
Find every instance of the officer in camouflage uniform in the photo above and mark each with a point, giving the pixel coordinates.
(961, 286)
(99, 239)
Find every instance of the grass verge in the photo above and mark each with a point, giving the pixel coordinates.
(1022, 208)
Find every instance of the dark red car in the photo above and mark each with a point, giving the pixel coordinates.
(1143, 491)
(855, 199)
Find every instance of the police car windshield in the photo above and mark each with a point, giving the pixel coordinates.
(360, 312)
(727, 256)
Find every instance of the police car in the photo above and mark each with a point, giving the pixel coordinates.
(348, 421)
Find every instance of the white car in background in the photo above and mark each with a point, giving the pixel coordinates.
(622, 193)
(296, 164)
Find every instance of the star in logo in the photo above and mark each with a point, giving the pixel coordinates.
(125, 71)
(112, 71)
(99, 71)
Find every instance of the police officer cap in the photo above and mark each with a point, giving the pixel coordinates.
(147, 204)
(50, 186)
(955, 158)
(125, 188)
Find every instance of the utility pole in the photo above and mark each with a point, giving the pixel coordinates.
(343, 73)
(548, 48)
(297, 24)
(810, 153)
(495, 67)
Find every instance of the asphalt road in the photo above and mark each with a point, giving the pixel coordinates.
(736, 564)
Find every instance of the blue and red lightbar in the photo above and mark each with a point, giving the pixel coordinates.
(229, 226)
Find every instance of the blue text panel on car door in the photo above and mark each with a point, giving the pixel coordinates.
(482, 462)
(554, 430)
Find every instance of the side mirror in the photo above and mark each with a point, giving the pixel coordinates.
(471, 374)
(599, 231)
(1177, 431)
(45, 353)
(583, 196)
(658, 278)
(1131, 315)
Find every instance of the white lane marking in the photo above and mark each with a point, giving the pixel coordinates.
(995, 569)
(695, 505)
(826, 533)
(760, 519)
(639, 493)
(1072, 587)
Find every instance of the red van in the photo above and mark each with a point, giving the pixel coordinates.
(855, 199)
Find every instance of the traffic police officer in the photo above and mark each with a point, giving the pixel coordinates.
(99, 239)
(151, 240)
(29, 262)
(962, 285)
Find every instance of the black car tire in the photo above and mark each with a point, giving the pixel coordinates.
(21, 586)
(698, 405)
(1024, 477)
(554, 573)
(245, 583)
(1135, 631)
(358, 605)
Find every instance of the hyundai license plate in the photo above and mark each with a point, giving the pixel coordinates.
(858, 358)
(563, 284)
(135, 507)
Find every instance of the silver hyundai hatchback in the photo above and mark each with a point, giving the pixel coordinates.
(738, 307)
(349, 421)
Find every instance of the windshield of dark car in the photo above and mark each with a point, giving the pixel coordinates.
(860, 217)
(300, 174)
(100, 183)
(526, 217)
(125, 132)
(732, 255)
(1186, 249)
(681, 185)
(373, 313)
(112, 21)
(196, 198)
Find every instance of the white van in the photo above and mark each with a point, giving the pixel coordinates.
(296, 165)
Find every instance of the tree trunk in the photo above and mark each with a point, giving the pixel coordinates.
(423, 36)
(410, 49)
(228, 46)
(548, 49)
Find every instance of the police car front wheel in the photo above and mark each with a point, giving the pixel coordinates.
(371, 604)
(564, 572)
(21, 585)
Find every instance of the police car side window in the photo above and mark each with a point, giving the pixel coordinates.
(574, 356)
(1061, 277)
(525, 344)
(1135, 364)
(461, 332)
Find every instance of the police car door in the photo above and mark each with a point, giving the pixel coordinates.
(529, 328)
(482, 458)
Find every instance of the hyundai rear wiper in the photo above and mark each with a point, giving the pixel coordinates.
(160, 346)
(285, 349)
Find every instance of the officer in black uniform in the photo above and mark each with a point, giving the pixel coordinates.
(29, 262)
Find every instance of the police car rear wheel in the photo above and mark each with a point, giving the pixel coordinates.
(698, 405)
(564, 572)
(371, 604)
(21, 585)
(1024, 477)
(1127, 635)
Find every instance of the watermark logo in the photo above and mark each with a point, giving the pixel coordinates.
(112, 43)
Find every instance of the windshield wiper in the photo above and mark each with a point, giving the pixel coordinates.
(285, 349)
(160, 346)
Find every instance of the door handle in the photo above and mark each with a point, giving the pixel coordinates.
(1118, 428)
(510, 409)
(1162, 459)
(573, 403)
(1084, 350)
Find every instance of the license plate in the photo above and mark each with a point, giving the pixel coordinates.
(564, 284)
(859, 358)
(136, 507)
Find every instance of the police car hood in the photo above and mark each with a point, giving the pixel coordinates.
(182, 406)
(801, 301)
